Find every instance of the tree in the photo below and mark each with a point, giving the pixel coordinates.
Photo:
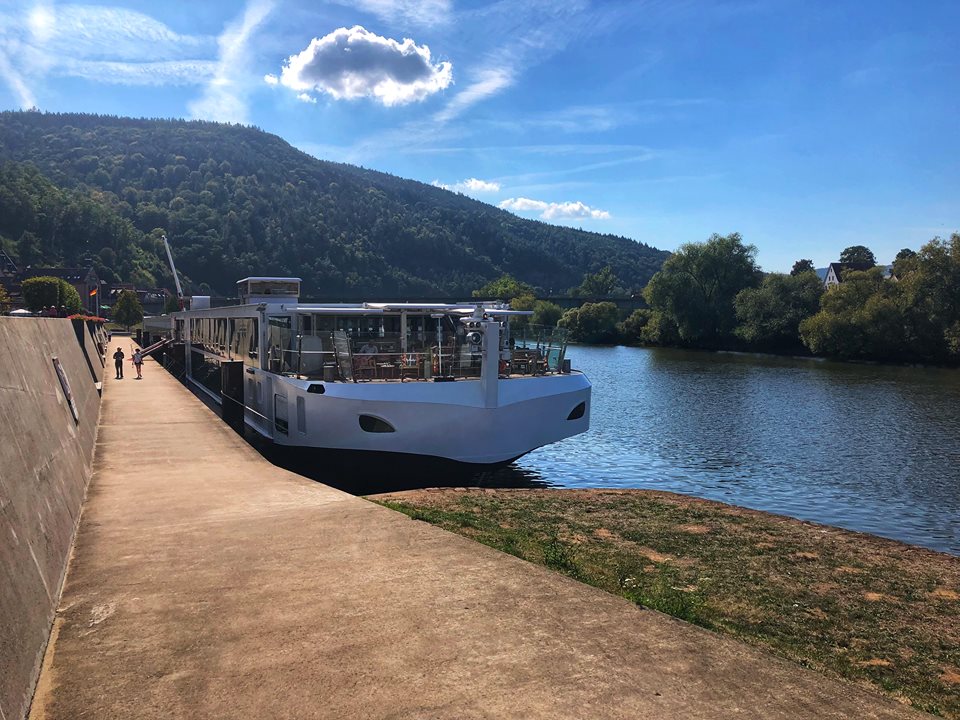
(695, 288)
(599, 284)
(172, 305)
(40, 293)
(859, 319)
(4, 299)
(28, 249)
(546, 313)
(128, 310)
(802, 266)
(592, 323)
(504, 288)
(46, 291)
(770, 315)
(905, 262)
(523, 302)
(858, 255)
(69, 298)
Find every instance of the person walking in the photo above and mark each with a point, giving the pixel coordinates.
(118, 357)
(138, 362)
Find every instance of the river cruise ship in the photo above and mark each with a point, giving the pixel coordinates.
(427, 380)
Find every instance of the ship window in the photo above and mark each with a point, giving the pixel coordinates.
(301, 415)
(371, 424)
(578, 412)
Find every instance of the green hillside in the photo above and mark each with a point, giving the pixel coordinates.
(236, 201)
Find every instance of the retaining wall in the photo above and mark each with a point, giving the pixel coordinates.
(45, 464)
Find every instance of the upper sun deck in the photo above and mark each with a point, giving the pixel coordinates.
(253, 290)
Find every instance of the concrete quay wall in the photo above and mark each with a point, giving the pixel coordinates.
(46, 457)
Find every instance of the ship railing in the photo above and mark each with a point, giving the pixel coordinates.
(533, 353)
(308, 364)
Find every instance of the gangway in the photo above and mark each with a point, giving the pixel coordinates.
(156, 346)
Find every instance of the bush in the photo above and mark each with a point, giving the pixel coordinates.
(42, 292)
(592, 323)
(546, 313)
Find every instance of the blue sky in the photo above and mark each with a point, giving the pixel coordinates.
(805, 126)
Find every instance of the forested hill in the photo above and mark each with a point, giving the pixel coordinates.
(236, 201)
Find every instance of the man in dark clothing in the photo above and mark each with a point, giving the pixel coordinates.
(118, 357)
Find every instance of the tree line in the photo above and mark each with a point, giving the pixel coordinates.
(712, 295)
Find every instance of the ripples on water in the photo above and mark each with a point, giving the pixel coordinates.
(869, 448)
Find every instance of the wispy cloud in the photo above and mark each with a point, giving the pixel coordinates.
(16, 82)
(351, 63)
(225, 97)
(170, 72)
(603, 117)
(487, 82)
(417, 12)
(470, 185)
(527, 34)
(553, 211)
(96, 43)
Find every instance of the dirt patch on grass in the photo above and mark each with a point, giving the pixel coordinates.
(694, 529)
(951, 676)
(945, 594)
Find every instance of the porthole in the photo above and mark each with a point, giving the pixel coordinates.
(371, 424)
(578, 412)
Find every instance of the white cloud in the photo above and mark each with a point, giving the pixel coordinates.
(304, 97)
(489, 81)
(352, 63)
(171, 72)
(101, 44)
(554, 211)
(16, 83)
(108, 33)
(470, 185)
(418, 12)
(224, 98)
(271, 79)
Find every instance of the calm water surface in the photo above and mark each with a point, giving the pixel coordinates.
(867, 448)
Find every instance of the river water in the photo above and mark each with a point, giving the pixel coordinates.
(863, 447)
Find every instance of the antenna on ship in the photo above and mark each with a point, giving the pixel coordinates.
(173, 269)
(439, 319)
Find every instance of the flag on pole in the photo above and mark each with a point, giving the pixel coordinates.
(93, 292)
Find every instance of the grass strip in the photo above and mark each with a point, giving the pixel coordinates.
(874, 611)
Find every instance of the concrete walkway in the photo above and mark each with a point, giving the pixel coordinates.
(207, 583)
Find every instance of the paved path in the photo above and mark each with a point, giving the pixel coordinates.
(207, 583)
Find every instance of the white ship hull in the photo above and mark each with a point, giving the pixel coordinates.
(437, 420)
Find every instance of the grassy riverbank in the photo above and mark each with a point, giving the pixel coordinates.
(867, 609)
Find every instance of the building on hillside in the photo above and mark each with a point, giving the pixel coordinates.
(86, 282)
(836, 270)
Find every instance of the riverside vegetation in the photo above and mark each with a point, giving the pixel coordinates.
(874, 611)
(712, 295)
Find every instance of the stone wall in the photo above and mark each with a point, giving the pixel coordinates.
(45, 464)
